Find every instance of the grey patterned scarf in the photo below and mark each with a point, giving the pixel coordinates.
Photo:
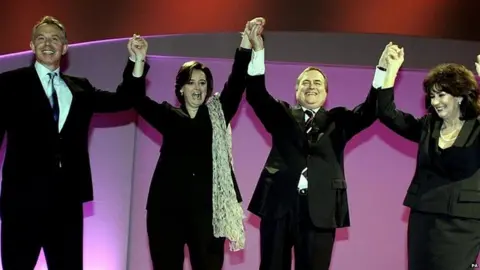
(227, 211)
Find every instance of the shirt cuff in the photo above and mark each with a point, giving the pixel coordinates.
(256, 66)
(379, 78)
(134, 61)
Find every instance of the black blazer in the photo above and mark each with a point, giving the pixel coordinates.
(32, 176)
(184, 168)
(292, 152)
(445, 181)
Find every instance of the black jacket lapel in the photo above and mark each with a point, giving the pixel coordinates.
(469, 129)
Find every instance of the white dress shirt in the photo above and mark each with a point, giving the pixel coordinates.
(63, 92)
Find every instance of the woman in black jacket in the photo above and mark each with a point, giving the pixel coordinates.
(444, 195)
(194, 198)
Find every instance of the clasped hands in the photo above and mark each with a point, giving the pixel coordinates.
(392, 58)
(137, 48)
(252, 34)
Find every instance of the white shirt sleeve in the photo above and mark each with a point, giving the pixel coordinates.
(379, 78)
(256, 66)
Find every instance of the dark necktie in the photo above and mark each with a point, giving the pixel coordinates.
(54, 97)
(309, 123)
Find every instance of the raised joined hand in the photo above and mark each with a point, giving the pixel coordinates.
(253, 31)
(394, 57)
(382, 62)
(137, 47)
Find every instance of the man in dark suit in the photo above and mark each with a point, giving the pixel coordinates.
(46, 172)
(301, 194)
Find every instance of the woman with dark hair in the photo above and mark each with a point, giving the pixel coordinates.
(194, 198)
(444, 195)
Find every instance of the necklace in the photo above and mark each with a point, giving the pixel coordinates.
(447, 140)
(450, 135)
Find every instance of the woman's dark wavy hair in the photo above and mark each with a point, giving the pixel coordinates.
(458, 81)
(184, 75)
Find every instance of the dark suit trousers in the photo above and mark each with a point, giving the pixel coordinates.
(441, 242)
(169, 231)
(57, 229)
(313, 246)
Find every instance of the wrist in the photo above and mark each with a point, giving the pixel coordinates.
(389, 81)
(391, 72)
(245, 43)
(139, 58)
(257, 48)
(245, 46)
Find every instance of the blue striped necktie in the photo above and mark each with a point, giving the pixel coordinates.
(54, 97)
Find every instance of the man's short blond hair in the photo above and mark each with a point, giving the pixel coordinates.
(51, 21)
(300, 77)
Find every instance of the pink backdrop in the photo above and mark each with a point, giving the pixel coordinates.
(379, 164)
